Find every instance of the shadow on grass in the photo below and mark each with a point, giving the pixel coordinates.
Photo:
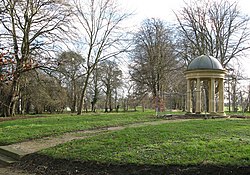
(44, 165)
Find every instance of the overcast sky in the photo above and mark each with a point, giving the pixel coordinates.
(153, 8)
(164, 8)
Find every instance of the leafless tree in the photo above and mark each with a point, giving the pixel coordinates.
(153, 57)
(29, 29)
(99, 23)
(216, 28)
(69, 71)
(111, 80)
(233, 89)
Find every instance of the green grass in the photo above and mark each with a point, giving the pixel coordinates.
(238, 113)
(213, 142)
(24, 129)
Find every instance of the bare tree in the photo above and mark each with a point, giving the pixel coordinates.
(28, 29)
(111, 80)
(215, 28)
(69, 71)
(101, 34)
(153, 57)
(95, 87)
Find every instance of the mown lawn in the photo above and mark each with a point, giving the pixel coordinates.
(194, 142)
(24, 129)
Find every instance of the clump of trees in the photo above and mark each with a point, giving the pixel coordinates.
(29, 30)
(58, 55)
(35, 30)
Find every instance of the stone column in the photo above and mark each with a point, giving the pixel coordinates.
(198, 96)
(209, 95)
(189, 100)
(221, 97)
(212, 96)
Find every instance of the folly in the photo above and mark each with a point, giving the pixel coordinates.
(205, 70)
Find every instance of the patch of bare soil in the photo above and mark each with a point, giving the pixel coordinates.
(44, 165)
(4, 170)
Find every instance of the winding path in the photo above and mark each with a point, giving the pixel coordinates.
(35, 145)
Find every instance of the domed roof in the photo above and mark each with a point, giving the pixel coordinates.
(205, 62)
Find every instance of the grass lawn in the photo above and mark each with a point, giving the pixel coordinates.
(24, 129)
(206, 142)
(238, 113)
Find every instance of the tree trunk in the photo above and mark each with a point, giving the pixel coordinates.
(94, 101)
(73, 104)
(23, 103)
(11, 101)
(92, 107)
(124, 104)
(27, 107)
(110, 102)
(106, 104)
(81, 103)
(143, 106)
(234, 97)
(73, 107)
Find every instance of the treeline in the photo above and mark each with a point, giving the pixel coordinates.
(80, 56)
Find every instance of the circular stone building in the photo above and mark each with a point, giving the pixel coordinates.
(205, 69)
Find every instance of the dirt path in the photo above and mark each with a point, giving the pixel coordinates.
(47, 142)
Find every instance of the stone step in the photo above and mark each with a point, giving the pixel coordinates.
(11, 152)
(5, 160)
